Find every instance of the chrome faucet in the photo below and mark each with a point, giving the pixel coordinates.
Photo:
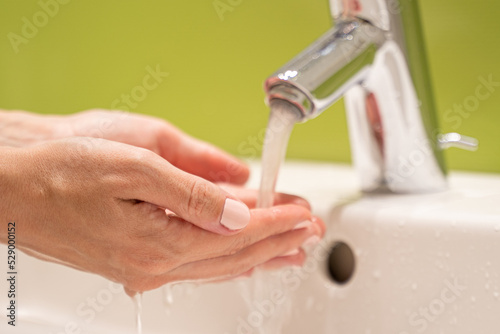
(375, 58)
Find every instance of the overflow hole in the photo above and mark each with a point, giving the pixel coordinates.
(341, 263)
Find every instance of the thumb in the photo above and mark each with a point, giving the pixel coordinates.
(194, 199)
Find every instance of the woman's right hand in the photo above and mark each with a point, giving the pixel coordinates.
(101, 208)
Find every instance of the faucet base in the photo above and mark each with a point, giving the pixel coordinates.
(389, 143)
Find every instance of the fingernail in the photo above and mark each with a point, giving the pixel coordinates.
(303, 224)
(292, 252)
(311, 241)
(235, 215)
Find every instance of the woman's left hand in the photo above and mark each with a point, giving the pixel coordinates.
(20, 128)
(181, 150)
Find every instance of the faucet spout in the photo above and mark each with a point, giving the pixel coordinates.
(325, 71)
(375, 58)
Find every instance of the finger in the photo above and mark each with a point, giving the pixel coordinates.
(319, 224)
(201, 244)
(239, 263)
(295, 260)
(191, 197)
(205, 246)
(249, 196)
(200, 158)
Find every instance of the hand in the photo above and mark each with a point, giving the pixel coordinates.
(19, 129)
(101, 209)
(183, 151)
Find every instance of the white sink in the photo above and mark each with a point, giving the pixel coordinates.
(423, 264)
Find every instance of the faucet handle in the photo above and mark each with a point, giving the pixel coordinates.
(457, 140)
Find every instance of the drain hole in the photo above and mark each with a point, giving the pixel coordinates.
(341, 263)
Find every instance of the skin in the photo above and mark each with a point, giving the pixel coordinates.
(135, 200)
(351, 8)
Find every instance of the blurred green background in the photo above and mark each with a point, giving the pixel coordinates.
(91, 52)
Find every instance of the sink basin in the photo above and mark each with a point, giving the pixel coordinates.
(401, 264)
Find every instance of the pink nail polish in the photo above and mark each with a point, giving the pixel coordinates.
(235, 215)
(292, 252)
(303, 224)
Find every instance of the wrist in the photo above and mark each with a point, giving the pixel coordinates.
(9, 189)
(22, 189)
(20, 128)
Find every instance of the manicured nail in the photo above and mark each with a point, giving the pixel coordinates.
(235, 215)
(292, 252)
(312, 241)
(303, 224)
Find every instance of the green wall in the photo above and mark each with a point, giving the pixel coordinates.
(91, 52)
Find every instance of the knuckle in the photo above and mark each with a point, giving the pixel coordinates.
(140, 163)
(199, 198)
(138, 156)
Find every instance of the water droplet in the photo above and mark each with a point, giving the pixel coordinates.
(376, 274)
(497, 228)
(473, 299)
(486, 286)
(414, 286)
(169, 294)
(168, 297)
(401, 223)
